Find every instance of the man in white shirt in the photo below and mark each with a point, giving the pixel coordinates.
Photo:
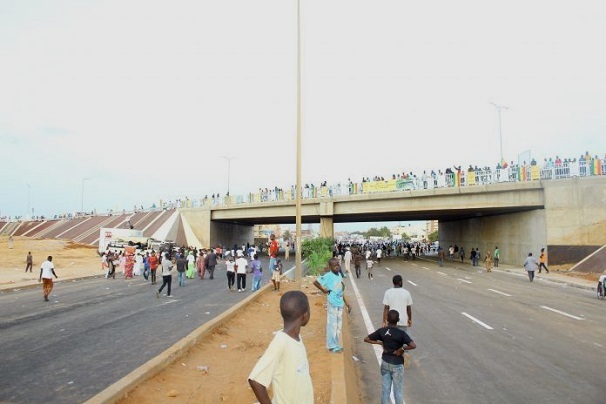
(241, 264)
(398, 298)
(347, 259)
(47, 271)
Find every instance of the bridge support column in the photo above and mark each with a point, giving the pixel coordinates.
(326, 227)
(326, 220)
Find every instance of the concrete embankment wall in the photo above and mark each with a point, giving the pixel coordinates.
(572, 225)
(576, 214)
(515, 234)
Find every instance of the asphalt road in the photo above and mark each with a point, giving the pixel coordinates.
(481, 338)
(93, 332)
(488, 337)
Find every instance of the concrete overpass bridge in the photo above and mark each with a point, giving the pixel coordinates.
(567, 216)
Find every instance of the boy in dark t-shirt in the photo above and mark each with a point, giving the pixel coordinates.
(394, 341)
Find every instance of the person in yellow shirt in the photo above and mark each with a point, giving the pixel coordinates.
(543, 261)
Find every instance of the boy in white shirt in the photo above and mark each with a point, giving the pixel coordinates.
(284, 364)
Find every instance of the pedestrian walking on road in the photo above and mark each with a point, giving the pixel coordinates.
(241, 265)
(331, 284)
(369, 264)
(284, 364)
(488, 262)
(530, 265)
(230, 270)
(47, 271)
(543, 261)
(441, 255)
(153, 266)
(167, 277)
(497, 256)
(29, 262)
(181, 268)
(347, 260)
(211, 263)
(257, 271)
(395, 342)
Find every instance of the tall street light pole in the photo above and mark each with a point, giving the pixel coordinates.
(29, 194)
(229, 159)
(298, 262)
(499, 108)
(82, 195)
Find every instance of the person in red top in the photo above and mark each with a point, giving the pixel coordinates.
(153, 265)
(273, 251)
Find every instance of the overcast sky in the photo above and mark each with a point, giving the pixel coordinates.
(143, 98)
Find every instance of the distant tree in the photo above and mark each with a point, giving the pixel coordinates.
(374, 232)
(433, 236)
(404, 236)
(286, 235)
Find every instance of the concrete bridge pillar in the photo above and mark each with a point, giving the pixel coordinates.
(326, 220)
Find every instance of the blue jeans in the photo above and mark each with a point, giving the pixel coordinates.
(256, 283)
(181, 278)
(334, 322)
(392, 374)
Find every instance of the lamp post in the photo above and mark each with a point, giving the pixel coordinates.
(298, 262)
(499, 108)
(82, 195)
(29, 193)
(229, 159)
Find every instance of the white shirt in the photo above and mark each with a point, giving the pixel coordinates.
(230, 266)
(241, 263)
(47, 269)
(284, 365)
(398, 299)
(347, 256)
(379, 253)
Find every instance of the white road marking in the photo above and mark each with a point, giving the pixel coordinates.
(168, 302)
(475, 320)
(562, 313)
(463, 280)
(426, 268)
(389, 269)
(598, 344)
(412, 283)
(415, 265)
(499, 292)
(442, 273)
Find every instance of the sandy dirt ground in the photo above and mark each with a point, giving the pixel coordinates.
(71, 260)
(229, 353)
(216, 369)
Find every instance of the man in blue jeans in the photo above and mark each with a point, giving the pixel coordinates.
(331, 284)
(394, 341)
